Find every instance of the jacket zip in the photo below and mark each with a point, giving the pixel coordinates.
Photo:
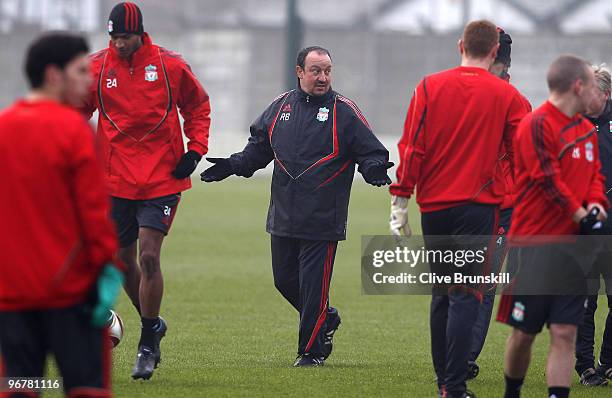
(101, 101)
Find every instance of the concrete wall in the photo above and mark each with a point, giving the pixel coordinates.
(242, 69)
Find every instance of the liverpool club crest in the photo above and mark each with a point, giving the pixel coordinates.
(590, 155)
(151, 73)
(519, 312)
(323, 114)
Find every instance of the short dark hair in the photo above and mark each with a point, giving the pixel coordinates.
(565, 71)
(479, 38)
(301, 57)
(56, 48)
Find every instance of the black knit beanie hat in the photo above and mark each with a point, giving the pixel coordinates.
(505, 47)
(125, 18)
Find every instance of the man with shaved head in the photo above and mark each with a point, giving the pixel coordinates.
(559, 191)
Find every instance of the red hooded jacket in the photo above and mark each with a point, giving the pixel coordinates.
(56, 229)
(139, 133)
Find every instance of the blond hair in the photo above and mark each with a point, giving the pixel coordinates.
(602, 78)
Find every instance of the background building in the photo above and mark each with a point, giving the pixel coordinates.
(380, 48)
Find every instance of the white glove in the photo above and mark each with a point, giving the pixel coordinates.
(399, 216)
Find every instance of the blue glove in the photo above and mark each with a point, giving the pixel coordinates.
(109, 285)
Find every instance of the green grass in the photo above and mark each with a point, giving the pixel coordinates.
(231, 334)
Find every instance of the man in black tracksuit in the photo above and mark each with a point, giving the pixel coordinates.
(585, 341)
(315, 137)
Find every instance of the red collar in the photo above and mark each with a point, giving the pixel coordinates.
(143, 51)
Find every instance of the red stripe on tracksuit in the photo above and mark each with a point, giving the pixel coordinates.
(89, 392)
(335, 151)
(537, 131)
(503, 312)
(324, 295)
(504, 308)
(486, 269)
(173, 213)
(271, 130)
(355, 109)
(337, 173)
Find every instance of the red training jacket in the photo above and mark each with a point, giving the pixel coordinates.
(139, 133)
(457, 126)
(557, 172)
(56, 228)
(507, 202)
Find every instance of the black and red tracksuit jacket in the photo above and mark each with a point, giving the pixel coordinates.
(557, 172)
(315, 142)
(459, 125)
(603, 125)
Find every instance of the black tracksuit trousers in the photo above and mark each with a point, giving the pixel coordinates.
(481, 327)
(585, 340)
(454, 311)
(302, 273)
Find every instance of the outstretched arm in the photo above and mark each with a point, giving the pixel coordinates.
(255, 155)
(369, 153)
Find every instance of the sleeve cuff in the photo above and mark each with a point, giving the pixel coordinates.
(398, 190)
(197, 147)
(602, 200)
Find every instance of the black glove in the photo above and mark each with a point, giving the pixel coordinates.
(186, 165)
(590, 225)
(220, 171)
(377, 175)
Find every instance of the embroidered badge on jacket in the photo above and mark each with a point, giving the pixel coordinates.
(151, 73)
(323, 114)
(589, 151)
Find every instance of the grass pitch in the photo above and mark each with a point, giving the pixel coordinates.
(232, 335)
